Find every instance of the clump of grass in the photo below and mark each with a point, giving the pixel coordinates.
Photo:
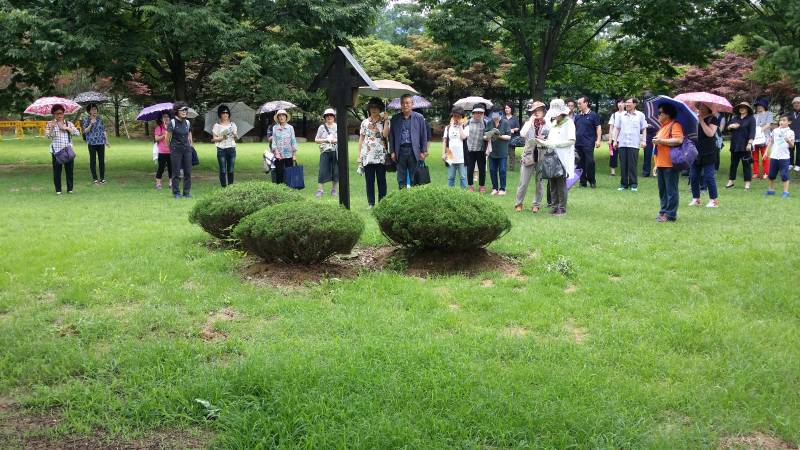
(562, 265)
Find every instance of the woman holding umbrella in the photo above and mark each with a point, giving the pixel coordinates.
(224, 134)
(670, 135)
(743, 132)
(164, 160)
(94, 133)
(179, 135)
(59, 131)
(703, 168)
(372, 149)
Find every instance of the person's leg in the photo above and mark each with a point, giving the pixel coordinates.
(471, 161)
(369, 177)
(624, 167)
(525, 173)
(784, 165)
(401, 169)
(177, 162)
(69, 169)
(101, 156)
(481, 169)
(747, 164)
(633, 170)
(169, 167)
(662, 190)
(773, 175)
(56, 174)
(160, 170)
(230, 161)
(581, 164)
(511, 158)
(647, 162)
(694, 180)
(187, 172)
(223, 172)
(462, 171)
(561, 186)
(613, 159)
(735, 156)
(673, 196)
(765, 162)
(710, 181)
(451, 175)
(553, 194)
(93, 162)
(503, 162)
(756, 157)
(589, 166)
(493, 167)
(380, 175)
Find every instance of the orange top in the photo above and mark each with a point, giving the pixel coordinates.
(669, 130)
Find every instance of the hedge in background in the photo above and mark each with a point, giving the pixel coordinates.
(300, 232)
(436, 217)
(224, 208)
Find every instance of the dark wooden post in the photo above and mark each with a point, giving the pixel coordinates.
(342, 75)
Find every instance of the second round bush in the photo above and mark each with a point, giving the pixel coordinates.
(300, 232)
(219, 212)
(435, 217)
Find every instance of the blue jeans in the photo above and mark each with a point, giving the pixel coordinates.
(668, 191)
(498, 165)
(459, 168)
(226, 158)
(705, 174)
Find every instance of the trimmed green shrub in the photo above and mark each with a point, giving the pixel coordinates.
(300, 232)
(437, 217)
(219, 212)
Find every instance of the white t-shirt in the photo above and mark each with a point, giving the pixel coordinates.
(456, 136)
(226, 131)
(562, 139)
(780, 149)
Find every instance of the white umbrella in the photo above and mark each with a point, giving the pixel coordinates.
(242, 115)
(469, 102)
(275, 105)
(388, 89)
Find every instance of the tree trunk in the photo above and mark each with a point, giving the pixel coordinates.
(117, 102)
(178, 71)
(147, 129)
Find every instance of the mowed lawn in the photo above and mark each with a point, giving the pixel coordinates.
(678, 335)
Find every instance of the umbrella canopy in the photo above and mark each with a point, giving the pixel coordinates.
(42, 106)
(469, 102)
(154, 112)
(419, 103)
(686, 117)
(275, 105)
(241, 115)
(716, 103)
(85, 98)
(388, 89)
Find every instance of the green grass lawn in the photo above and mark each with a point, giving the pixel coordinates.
(665, 336)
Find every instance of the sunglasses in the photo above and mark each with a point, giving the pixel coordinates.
(184, 110)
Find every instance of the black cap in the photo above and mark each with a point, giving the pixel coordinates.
(457, 110)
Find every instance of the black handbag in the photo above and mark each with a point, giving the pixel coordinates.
(549, 166)
(421, 174)
(195, 159)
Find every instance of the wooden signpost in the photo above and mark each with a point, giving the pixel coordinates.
(341, 76)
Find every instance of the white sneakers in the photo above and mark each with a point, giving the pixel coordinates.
(713, 203)
(694, 202)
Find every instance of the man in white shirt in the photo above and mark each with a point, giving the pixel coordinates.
(629, 135)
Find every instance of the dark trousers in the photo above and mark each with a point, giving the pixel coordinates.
(226, 158)
(497, 166)
(97, 152)
(586, 163)
(558, 193)
(647, 163)
(68, 168)
(164, 160)
(703, 175)
(746, 160)
(373, 173)
(794, 154)
(627, 167)
(181, 159)
(668, 191)
(406, 163)
(478, 158)
(613, 157)
(280, 167)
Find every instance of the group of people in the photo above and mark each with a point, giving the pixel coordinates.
(568, 131)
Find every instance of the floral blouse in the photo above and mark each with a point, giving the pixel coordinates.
(284, 141)
(372, 149)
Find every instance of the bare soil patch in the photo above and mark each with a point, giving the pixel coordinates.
(571, 289)
(516, 331)
(209, 331)
(413, 264)
(578, 334)
(755, 441)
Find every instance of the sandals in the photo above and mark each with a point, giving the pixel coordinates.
(535, 209)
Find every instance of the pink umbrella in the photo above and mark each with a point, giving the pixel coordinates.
(714, 102)
(42, 106)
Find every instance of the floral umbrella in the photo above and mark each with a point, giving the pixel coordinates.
(275, 106)
(42, 106)
(85, 98)
(419, 103)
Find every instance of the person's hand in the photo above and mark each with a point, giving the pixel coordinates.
(597, 144)
(92, 121)
(394, 157)
(278, 155)
(444, 157)
(642, 144)
(749, 147)
(422, 156)
(294, 158)
(733, 126)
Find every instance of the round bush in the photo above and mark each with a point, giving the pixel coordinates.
(219, 212)
(300, 232)
(436, 217)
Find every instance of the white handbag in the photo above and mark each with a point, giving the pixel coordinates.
(155, 152)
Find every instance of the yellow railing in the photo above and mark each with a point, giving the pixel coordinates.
(19, 126)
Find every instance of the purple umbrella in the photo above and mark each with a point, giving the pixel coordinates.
(419, 103)
(154, 112)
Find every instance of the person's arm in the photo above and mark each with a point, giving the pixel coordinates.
(445, 142)
(599, 136)
(215, 136)
(789, 138)
(361, 145)
(642, 131)
(71, 128)
(386, 127)
(526, 128)
(505, 133)
(191, 141)
(464, 132)
(318, 138)
(293, 143)
(709, 130)
(751, 131)
(677, 137)
(424, 138)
